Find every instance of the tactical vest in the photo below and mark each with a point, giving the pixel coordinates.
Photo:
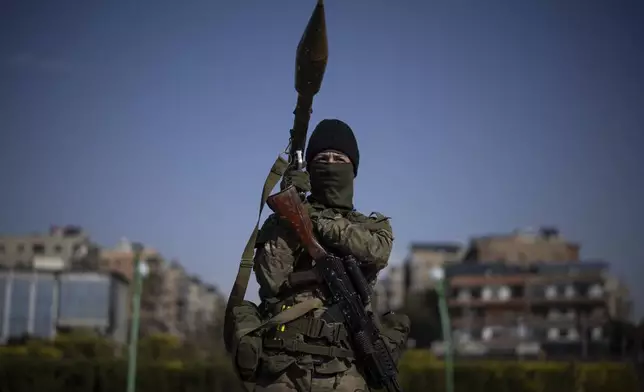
(314, 333)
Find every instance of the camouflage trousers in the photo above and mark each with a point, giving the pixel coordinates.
(297, 379)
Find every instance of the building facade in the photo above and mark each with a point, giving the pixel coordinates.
(523, 247)
(423, 257)
(391, 289)
(120, 259)
(42, 302)
(553, 309)
(67, 244)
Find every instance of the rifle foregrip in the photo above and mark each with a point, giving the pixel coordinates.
(289, 206)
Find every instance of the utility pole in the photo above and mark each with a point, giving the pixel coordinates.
(140, 269)
(438, 274)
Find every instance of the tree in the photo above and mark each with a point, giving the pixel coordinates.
(422, 310)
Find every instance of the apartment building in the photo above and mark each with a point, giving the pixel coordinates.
(68, 244)
(176, 303)
(524, 246)
(200, 306)
(423, 257)
(160, 299)
(41, 302)
(120, 259)
(390, 289)
(556, 309)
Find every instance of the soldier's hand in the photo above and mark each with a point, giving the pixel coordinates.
(297, 178)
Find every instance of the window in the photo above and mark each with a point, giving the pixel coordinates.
(2, 249)
(19, 311)
(572, 334)
(596, 333)
(84, 299)
(44, 302)
(595, 291)
(554, 314)
(570, 291)
(58, 249)
(2, 290)
(38, 249)
(20, 248)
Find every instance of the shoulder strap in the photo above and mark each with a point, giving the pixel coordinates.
(246, 265)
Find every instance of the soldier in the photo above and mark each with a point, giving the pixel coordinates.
(292, 354)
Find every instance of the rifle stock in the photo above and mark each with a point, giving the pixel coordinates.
(288, 205)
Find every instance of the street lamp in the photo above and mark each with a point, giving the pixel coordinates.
(438, 275)
(140, 270)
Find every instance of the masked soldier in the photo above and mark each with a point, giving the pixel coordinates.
(313, 352)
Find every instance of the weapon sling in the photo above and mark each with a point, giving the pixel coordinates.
(238, 292)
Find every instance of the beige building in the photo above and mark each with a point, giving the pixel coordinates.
(423, 257)
(120, 259)
(523, 247)
(160, 300)
(390, 289)
(201, 305)
(61, 244)
(620, 304)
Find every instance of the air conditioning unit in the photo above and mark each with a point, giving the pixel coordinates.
(553, 334)
(487, 293)
(596, 333)
(551, 292)
(596, 291)
(505, 293)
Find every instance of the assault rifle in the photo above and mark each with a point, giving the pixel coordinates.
(349, 290)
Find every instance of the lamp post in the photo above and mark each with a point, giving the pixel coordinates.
(438, 274)
(140, 270)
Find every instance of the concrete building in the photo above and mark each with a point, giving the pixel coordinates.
(68, 244)
(160, 300)
(43, 302)
(200, 306)
(390, 290)
(503, 309)
(120, 259)
(620, 303)
(523, 247)
(425, 256)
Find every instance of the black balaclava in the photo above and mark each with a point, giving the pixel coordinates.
(332, 183)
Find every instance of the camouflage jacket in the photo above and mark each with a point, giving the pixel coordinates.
(368, 238)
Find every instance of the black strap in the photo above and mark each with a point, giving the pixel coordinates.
(318, 328)
(297, 346)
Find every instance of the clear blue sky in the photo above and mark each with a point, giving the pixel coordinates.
(157, 120)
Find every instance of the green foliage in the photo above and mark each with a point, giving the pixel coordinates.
(420, 371)
(84, 361)
(82, 344)
(422, 310)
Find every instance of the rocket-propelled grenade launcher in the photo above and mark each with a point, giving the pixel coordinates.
(310, 64)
